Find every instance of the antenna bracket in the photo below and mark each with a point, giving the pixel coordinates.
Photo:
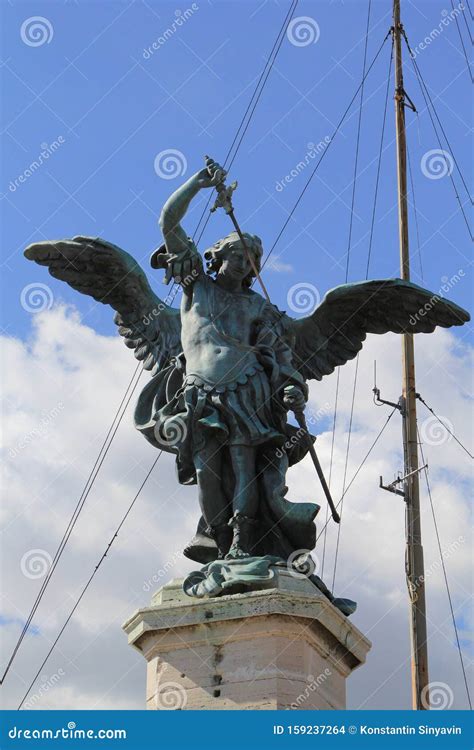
(393, 486)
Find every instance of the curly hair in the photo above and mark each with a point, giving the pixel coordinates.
(213, 255)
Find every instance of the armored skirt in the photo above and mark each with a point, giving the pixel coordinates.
(243, 412)
(179, 413)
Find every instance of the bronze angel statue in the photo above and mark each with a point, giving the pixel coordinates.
(228, 367)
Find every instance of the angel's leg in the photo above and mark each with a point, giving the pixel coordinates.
(213, 502)
(245, 502)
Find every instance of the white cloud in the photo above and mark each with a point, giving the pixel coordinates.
(278, 266)
(61, 389)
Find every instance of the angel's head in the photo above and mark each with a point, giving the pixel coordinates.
(229, 258)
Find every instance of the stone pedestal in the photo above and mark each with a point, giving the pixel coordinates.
(285, 647)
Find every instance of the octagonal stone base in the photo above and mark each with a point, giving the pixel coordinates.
(285, 647)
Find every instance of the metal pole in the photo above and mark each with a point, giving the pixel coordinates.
(414, 549)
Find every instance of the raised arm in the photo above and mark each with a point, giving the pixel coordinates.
(181, 255)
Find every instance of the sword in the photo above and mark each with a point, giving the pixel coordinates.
(224, 200)
(300, 418)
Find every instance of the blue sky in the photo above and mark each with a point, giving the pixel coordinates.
(115, 107)
(106, 108)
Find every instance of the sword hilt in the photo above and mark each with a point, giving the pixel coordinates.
(224, 192)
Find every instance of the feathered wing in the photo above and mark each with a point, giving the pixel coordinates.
(113, 277)
(335, 331)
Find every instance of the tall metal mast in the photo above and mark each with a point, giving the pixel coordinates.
(414, 549)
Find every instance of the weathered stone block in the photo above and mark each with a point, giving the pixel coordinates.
(285, 647)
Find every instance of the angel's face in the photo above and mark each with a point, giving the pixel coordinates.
(235, 261)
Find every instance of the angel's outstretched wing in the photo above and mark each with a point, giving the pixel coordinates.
(112, 276)
(335, 331)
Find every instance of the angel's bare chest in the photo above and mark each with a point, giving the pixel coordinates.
(218, 329)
